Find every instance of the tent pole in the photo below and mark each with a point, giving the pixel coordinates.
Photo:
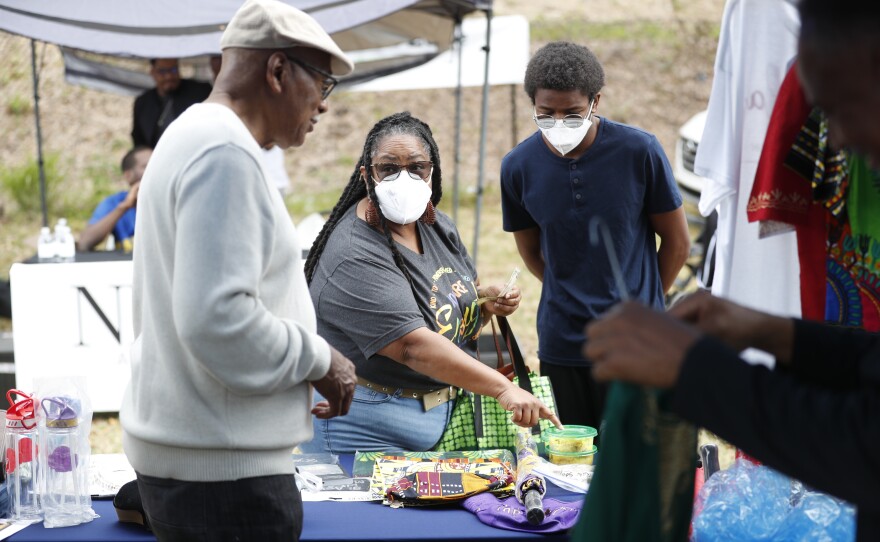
(483, 125)
(459, 42)
(513, 124)
(40, 164)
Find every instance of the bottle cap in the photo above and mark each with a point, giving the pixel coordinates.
(61, 411)
(20, 414)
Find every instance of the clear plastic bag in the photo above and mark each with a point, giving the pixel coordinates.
(64, 450)
(754, 502)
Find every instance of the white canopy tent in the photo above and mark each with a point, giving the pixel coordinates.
(180, 28)
(368, 29)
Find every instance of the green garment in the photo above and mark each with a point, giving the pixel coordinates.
(863, 200)
(643, 487)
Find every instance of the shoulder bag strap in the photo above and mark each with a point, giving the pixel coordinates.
(519, 364)
(498, 352)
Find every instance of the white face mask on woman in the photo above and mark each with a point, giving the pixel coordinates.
(403, 200)
(563, 138)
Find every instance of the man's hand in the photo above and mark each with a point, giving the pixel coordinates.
(337, 387)
(634, 343)
(132, 197)
(526, 408)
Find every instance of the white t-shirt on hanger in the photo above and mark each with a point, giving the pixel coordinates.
(757, 45)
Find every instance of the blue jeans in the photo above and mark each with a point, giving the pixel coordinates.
(379, 422)
(265, 508)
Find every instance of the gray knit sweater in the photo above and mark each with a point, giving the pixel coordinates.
(225, 329)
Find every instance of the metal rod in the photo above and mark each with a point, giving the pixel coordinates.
(484, 120)
(459, 43)
(514, 139)
(40, 164)
(598, 226)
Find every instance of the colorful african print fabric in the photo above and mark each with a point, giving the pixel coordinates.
(400, 480)
(853, 253)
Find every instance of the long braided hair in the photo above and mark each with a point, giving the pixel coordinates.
(396, 124)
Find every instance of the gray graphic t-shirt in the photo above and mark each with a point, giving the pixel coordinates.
(364, 302)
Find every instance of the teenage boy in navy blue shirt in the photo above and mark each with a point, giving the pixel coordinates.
(575, 167)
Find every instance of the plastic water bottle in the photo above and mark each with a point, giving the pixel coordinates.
(45, 245)
(21, 464)
(65, 498)
(64, 244)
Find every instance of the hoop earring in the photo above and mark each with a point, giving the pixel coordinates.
(371, 216)
(429, 216)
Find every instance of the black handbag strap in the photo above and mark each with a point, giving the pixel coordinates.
(500, 356)
(519, 364)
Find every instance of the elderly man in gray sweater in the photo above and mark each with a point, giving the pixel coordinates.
(226, 350)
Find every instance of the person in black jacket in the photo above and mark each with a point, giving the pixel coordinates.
(156, 108)
(816, 415)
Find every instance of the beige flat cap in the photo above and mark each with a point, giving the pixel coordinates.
(271, 24)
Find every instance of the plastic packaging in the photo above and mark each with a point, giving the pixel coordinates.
(510, 282)
(754, 502)
(65, 494)
(65, 423)
(20, 454)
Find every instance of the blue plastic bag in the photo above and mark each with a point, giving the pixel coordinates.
(754, 502)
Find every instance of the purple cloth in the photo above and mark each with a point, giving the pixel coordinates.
(509, 514)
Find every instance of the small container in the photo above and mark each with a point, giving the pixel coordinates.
(572, 458)
(572, 438)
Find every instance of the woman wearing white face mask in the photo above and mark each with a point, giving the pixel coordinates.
(395, 291)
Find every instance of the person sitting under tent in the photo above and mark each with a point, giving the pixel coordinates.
(156, 108)
(115, 214)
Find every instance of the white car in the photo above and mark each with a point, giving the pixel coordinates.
(689, 136)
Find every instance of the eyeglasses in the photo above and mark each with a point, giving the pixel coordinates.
(329, 82)
(569, 121)
(388, 171)
(174, 70)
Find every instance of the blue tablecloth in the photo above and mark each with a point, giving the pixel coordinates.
(324, 522)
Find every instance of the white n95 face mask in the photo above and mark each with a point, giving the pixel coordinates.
(403, 200)
(563, 138)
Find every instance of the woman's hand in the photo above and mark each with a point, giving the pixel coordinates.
(526, 409)
(504, 305)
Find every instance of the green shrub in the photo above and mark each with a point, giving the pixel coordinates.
(22, 183)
